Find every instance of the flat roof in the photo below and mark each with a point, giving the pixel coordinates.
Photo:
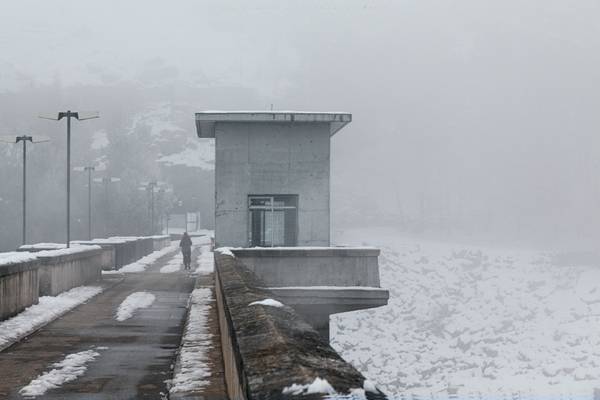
(205, 120)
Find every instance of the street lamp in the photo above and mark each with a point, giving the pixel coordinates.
(68, 115)
(106, 181)
(89, 169)
(152, 187)
(24, 139)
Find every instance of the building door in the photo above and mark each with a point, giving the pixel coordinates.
(273, 220)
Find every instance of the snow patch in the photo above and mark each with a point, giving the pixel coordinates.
(317, 386)
(143, 263)
(48, 308)
(16, 257)
(266, 302)
(226, 251)
(67, 251)
(132, 303)
(67, 370)
(173, 265)
(205, 261)
(192, 368)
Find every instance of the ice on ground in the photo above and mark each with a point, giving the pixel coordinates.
(205, 261)
(143, 263)
(132, 303)
(16, 257)
(475, 320)
(192, 368)
(267, 302)
(48, 308)
(67, 370)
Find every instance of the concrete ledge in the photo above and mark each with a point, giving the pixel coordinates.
(313, 266)
(366, 297)
(267, 349)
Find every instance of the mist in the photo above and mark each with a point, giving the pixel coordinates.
(470, 119)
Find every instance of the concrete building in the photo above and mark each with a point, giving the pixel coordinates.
(272, 204)
(271, 176)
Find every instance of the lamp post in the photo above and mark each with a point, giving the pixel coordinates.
(89, 169)
(151, 187)
(106, 181)
(24, 139)
(68, 115)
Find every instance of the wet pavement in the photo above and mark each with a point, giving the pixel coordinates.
(135, 357)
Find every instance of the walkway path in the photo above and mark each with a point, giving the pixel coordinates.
(89, 354)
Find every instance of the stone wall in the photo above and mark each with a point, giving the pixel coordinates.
(267, 349)
(18, 287)
(59, 272)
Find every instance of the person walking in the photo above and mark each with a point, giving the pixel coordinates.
(186, 250)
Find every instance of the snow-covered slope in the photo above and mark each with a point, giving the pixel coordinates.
(475, 321)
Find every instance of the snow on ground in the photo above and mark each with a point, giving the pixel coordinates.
(226, 251)
(174, 264)
(206, 261)
(192, 368)
(48, 308)
(266, 302)
(317, 386)
(70, 368)
(132, 303)
(143, 263)
(475, 321)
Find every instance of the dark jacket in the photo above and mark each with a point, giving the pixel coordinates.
(185, 243)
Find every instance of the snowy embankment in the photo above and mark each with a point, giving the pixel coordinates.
(192, 369)
(48, 309)
(475, 321)
(132, 303)
(67, 370)
(143, 263)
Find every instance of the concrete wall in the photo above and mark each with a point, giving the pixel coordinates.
(313, 267)
(160, 242)
(272, 158)
(123, 252)
(59, 273)
(269, 348)
(18, 287)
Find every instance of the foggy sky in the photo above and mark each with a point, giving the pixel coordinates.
(484, 113)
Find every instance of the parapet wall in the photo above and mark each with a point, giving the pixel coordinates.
(267, 350)
(161, 241)
(18, 287)
(60, 271)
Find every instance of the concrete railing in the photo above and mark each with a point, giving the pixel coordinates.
(268, 349)
(61, 270)
(18, 283)
(126, 249)
(161, 241)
